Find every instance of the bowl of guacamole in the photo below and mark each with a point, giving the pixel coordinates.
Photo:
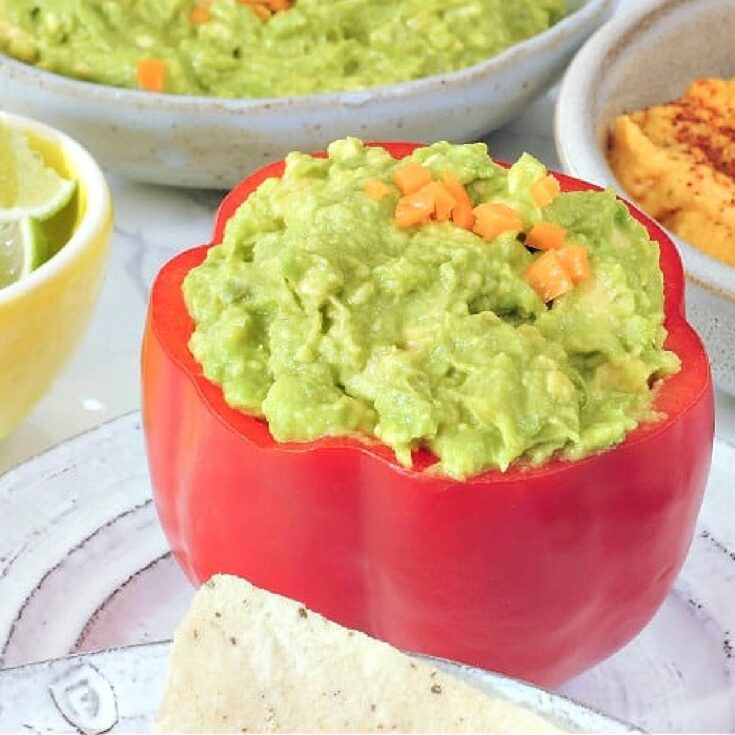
(225, 48)
(437, 398)
(189, 92)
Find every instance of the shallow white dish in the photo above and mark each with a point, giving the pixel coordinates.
(215, 142)
(646, 56)
(84, 566)
(118, 690)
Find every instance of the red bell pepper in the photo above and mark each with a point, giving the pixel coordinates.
(538, 573)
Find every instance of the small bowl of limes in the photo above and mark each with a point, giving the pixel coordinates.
(55, 223)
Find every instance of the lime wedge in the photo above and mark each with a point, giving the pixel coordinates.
(23, 248)
(28, 187)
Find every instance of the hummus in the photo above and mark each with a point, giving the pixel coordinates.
(318, 313)
(678, 162)
(226, 48)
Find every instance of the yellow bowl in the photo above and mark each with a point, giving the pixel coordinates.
(44, 316)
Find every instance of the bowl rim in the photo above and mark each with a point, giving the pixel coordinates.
(586, 15)
(496, 680)
(98, 209)
(571, 124)
(480, 679)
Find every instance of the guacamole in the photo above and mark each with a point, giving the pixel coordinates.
(229, 49)
(320, 314)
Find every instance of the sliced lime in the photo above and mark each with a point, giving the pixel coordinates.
(23, 248)
(8, 178)
(28, 187)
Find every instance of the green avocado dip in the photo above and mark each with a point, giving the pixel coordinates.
(318, 313)
(227, 48)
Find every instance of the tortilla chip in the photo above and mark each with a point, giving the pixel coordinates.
(246, 660)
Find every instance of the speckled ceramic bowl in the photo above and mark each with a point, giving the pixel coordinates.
(215, 142)
(648, 55)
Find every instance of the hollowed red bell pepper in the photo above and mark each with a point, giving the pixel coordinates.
(537, 573)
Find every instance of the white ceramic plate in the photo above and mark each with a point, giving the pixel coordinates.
(648, 54)
(84, 566)
(215, 142)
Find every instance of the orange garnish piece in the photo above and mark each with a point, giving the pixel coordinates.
(575, 259)
(415, 208)
(376, 188)
(462, 214)
(546, 236)
(201, 13)
(265, 8)
(548, 276)
(492, 219)
(411, 177)
(261, 10)
(444, 202)
(545, 190)
(152, 74)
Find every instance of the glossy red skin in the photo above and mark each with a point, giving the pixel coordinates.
(536, 573)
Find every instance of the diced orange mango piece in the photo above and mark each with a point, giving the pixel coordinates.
(152, 74)
(545, 190)
(411, 177)
(376, 189)
(201, 13)
(462, 214)
(415, 208)
(548, 276)
(259, 8)
(546, 236)
(575, 259)
(444, 202)
(463, 217)
(265, 8)
(492, 219)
